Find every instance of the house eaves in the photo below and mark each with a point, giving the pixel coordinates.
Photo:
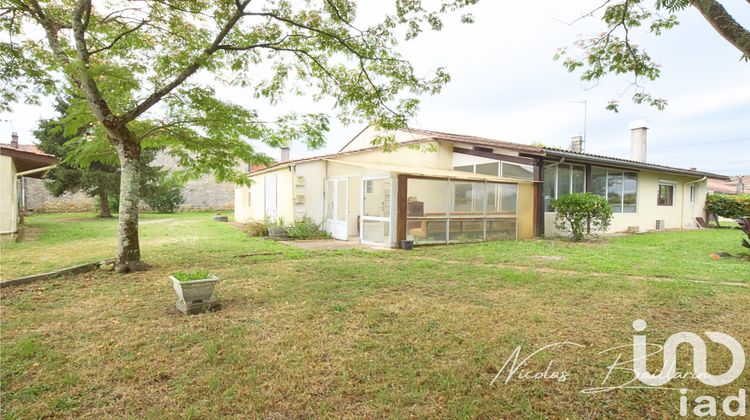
(627, 164)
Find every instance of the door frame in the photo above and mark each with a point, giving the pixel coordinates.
(275, 197)
(337, 228)
(389, 219)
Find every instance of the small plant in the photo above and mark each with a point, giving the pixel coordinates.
(582, 213)
(306, 229)
(256, 228)
(195, 275)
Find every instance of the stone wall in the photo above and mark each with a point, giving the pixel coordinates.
(200, 194)
(38, 199)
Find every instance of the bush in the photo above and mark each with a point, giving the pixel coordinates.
(580, 213)
(729, 206)
(165, 196)
(306, 229)
(256, 228)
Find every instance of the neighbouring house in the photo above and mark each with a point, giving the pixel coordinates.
(447, 188)
(735, 185)
(18, 160)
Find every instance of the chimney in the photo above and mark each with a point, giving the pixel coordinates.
(14, 140)
(576, 143)
(284, 154)
(638, 131)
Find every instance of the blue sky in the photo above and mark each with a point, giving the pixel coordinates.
(505, 85)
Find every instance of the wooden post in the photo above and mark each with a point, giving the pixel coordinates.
(401, 209)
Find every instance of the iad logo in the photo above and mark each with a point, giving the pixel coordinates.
(705, 405)
(669, 366)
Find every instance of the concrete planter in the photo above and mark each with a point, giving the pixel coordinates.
(195, 296)
(277, 232)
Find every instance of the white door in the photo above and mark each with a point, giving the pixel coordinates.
(337, 208)
(270, 193)
(375, 221)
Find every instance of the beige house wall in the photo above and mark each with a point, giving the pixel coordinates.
(441, 157)
(364, 139)
(8, 202)
(681, 215)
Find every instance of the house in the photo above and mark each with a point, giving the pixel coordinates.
(445, 188)
(735, 185)
(18, 160)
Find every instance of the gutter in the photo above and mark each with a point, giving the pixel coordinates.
(617, 163)
(33, 171)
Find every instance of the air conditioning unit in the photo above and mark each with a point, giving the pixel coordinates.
(299, 199)
(660, 225)
(300, 181)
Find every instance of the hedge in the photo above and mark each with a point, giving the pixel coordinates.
(729, 206)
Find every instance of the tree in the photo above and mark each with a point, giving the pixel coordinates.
(581, 212)
(136, 66)
(88, 164)
(614, 51)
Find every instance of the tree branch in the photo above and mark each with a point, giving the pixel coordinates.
(724, 24)
(119, 37)
(97, 103)
(190, 69)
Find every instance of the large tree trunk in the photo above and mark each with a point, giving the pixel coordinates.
(128, 247)
(104, 210)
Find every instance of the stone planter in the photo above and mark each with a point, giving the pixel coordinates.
(277, 232)
(195, 296)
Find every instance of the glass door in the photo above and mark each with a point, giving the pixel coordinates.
(375, 221)
(337, 208)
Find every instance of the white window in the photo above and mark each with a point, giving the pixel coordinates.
(560, 180)
(620, 188)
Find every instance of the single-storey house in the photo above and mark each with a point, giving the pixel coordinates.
(18, 160)
(446, 188)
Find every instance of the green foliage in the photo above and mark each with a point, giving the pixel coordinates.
(194, 275)
(124, 60)
(729, 206)
(615, 51)
(165, 194)
(306, 229)
(581, 213)
(88, 162)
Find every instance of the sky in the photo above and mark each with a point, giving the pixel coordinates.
(505, 85)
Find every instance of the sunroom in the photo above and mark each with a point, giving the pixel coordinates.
(428, 206)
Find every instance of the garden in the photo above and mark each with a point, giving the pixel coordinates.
(351, 333)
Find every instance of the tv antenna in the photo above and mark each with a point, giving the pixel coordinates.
(585, 121)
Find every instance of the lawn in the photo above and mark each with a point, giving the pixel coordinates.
(356, 333)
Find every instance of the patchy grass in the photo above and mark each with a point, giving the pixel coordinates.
(63, 240)
(673, 254)
(360, 333)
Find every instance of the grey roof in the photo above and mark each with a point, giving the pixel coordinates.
(627, 163)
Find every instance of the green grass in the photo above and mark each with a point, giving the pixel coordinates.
(61, 240)
(358, 333)
(194, 275)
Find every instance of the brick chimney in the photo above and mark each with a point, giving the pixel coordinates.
(284, 154)
(14, 140)
(638, 137)
(576, 143)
